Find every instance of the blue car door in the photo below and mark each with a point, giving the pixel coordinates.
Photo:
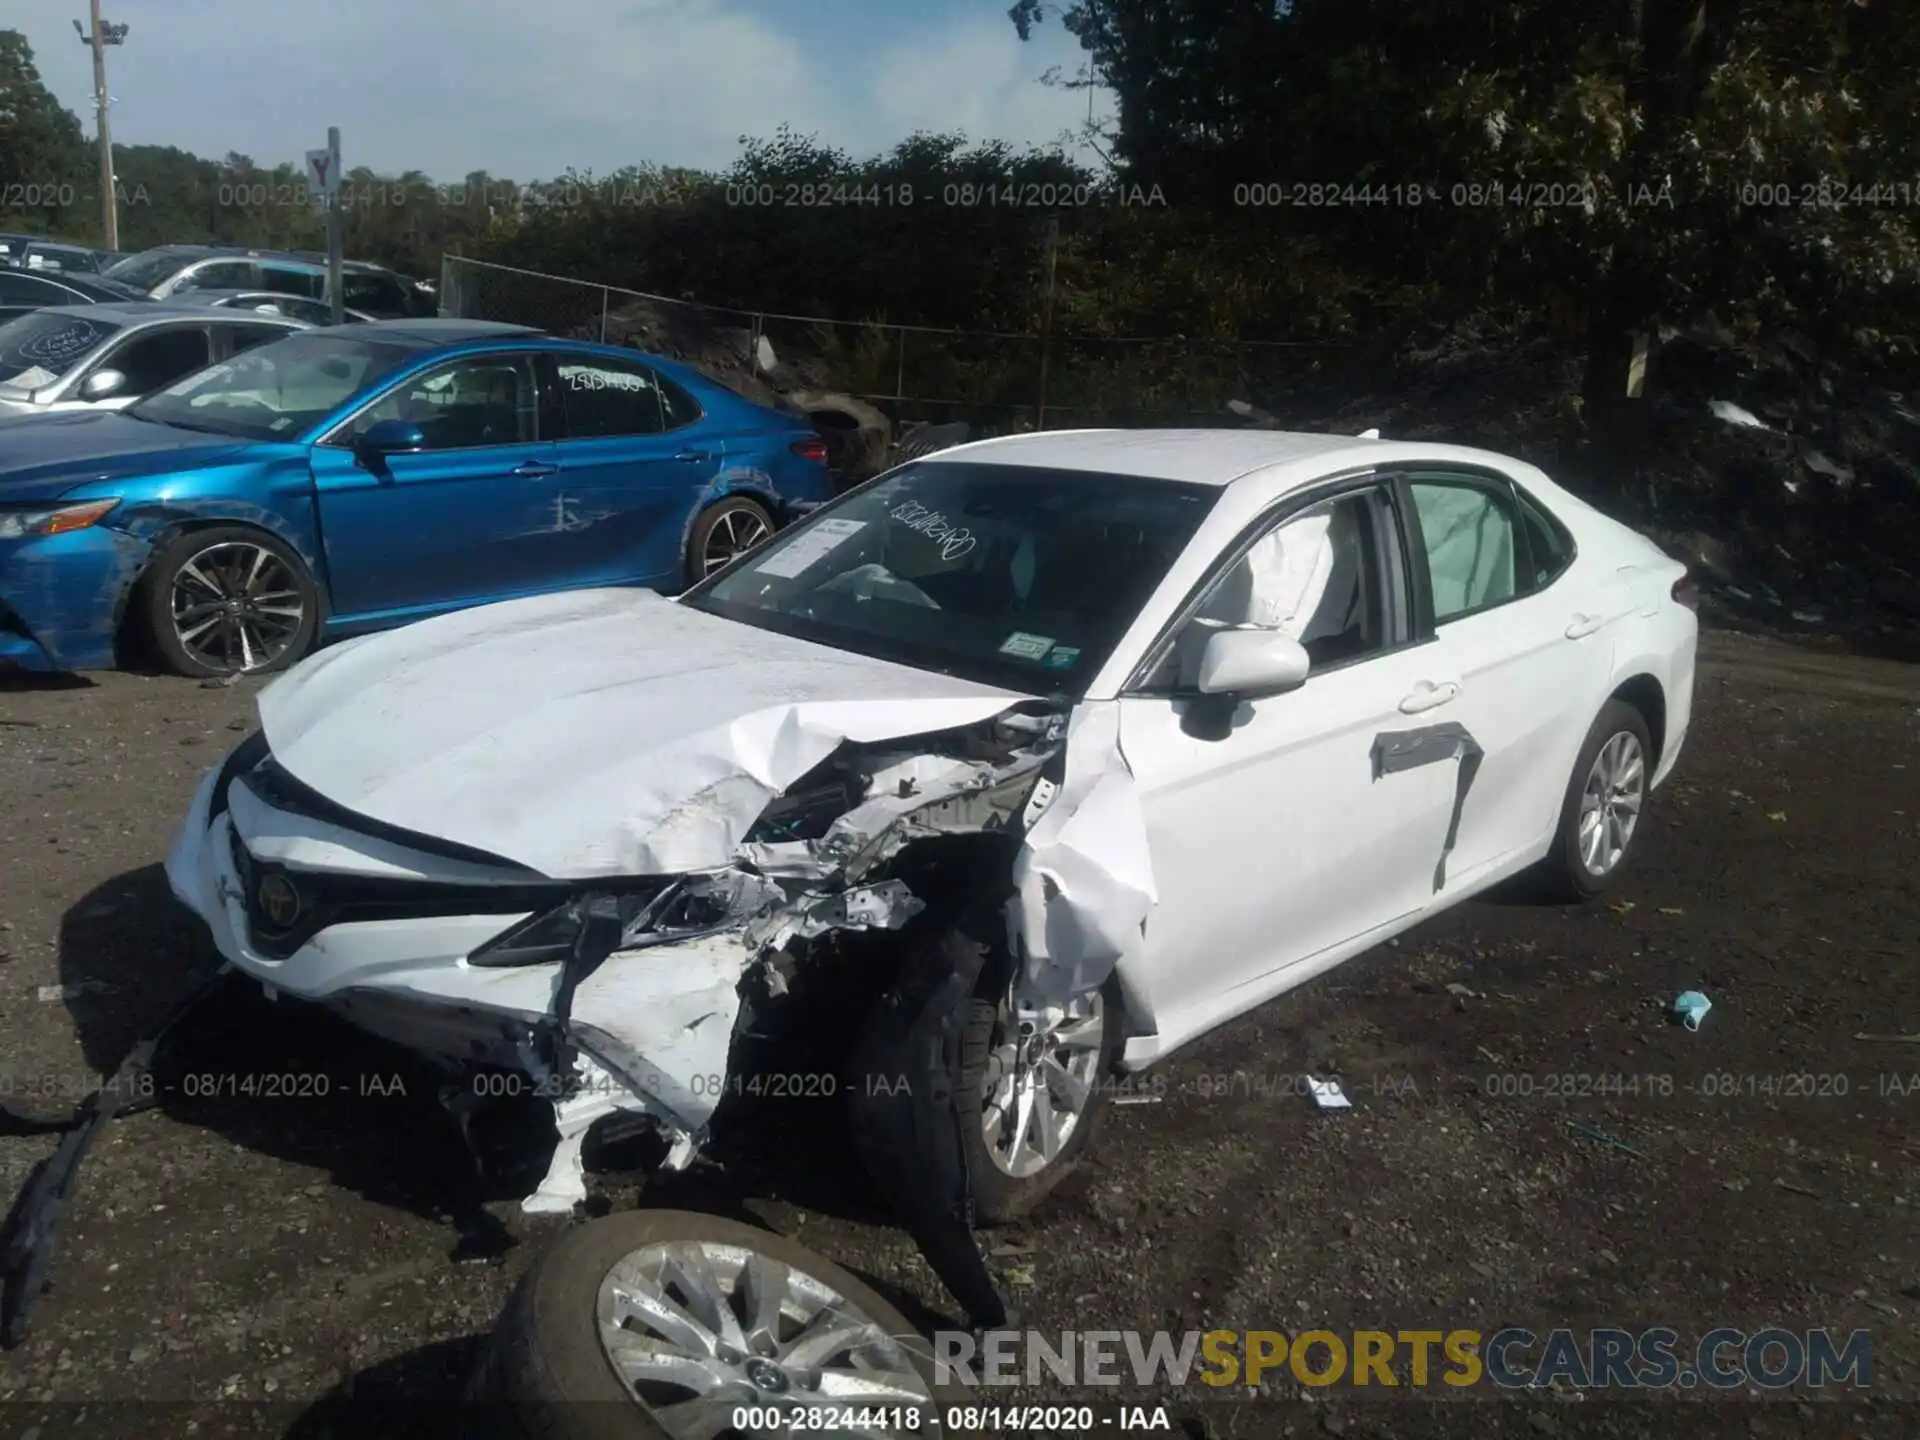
(633, 465)
(471, 517)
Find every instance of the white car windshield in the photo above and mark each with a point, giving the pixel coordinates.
(1009, 575)
(275, 391)
(39, 348)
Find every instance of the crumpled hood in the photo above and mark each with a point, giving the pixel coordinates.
(43, 456)
(593, 733)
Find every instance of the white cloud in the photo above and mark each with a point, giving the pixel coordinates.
(526, 90)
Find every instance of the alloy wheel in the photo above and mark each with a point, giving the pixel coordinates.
(1040, 1080)
(734, 532)
(704, 1333)
(1610, 803)
(236, 606)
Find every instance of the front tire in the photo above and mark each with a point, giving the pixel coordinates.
(227, 600)
(723, 531)
(1602, 814)
(586, 1350)
(1031, 1102)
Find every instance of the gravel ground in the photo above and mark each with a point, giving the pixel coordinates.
(271, 1263)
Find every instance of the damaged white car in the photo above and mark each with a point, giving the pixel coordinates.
(1031, 761)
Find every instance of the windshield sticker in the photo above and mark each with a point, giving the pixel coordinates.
(1022, 646)
(1061, 657)
(953, 540)
(809, 547)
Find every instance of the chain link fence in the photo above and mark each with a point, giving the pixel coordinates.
(995, 381)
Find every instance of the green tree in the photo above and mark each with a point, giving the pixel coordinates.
(43, 158)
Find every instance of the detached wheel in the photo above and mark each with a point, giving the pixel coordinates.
(228, 600)
(1606, 797)
(670, 1325)
(730, 528)
(1034, 1092)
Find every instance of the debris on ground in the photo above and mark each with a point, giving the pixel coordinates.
(1328, 1095)
(1600, 1135)
(1690, 1007)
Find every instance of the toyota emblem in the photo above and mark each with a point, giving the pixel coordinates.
(279, 901)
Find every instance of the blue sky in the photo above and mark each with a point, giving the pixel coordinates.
(525, 88)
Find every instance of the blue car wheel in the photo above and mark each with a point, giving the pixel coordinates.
(731, 528)
(229, 600)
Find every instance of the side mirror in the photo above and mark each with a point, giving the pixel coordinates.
(391, 437)
(1252, 662)
(102, 383)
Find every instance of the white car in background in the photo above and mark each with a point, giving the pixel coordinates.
(1062, 749)
(107, 356)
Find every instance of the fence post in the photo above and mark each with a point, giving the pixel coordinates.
(606, 297)
(900, 371)
(445, 307)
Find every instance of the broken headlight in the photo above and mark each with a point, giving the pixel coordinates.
(676, 910)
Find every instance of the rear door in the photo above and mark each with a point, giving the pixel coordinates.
(1525, 653)
(472, 517)
(633, 465)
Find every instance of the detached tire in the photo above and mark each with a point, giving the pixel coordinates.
(227, 599)
(1604, 810)
(996, 1062)
(546, 1374)
(732, 527)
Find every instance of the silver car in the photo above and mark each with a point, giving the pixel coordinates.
(72, 357)
(300, 307)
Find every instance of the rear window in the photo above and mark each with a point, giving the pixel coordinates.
(37, 349)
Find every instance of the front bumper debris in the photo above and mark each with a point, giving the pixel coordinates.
(638, 1018)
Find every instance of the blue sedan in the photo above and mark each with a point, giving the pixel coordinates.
(348, 480)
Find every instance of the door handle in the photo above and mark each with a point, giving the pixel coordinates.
(534, 470)
(1584, 625)
(693, 457)
(1428, 696)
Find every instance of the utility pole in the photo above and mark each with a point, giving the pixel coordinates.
(1051, 233)
(101, 36)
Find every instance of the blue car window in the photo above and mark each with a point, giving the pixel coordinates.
(610, 397)
(482, 400)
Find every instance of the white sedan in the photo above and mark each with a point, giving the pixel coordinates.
(1062, 748)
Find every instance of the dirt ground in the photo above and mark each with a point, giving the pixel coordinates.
(273, 1264)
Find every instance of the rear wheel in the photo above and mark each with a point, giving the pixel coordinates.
(723, 531)
(1600, 818)
(228, 600)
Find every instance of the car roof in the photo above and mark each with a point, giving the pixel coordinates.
(1201, 457)
(107, 291)
(1258, 465)
(143, 312)
(441, 332)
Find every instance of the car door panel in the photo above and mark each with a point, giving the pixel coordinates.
(443, 527)
(628, 496)
(1293, 833)
(1531, 670)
